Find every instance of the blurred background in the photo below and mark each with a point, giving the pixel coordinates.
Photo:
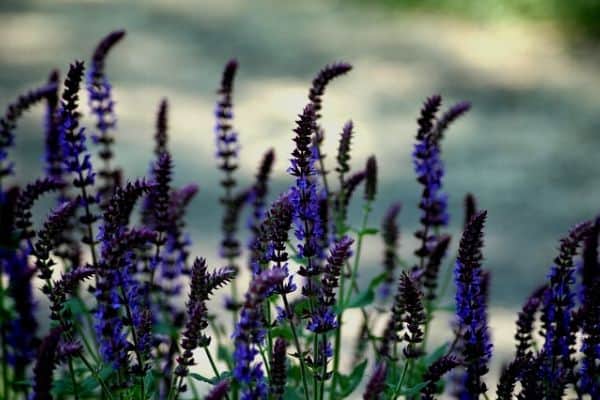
(528, 149)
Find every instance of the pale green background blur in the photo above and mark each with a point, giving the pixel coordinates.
(528, 149)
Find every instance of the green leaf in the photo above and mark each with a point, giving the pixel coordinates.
(348, 383)
(149, 384)
(283, 331)
(411, 391)
(202, 378)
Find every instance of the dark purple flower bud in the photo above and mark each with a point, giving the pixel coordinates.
(508, 378)
(271, 241)
(350, 185)
(102, 107)
(340, 253)
(45, 364)
(414, 318)
(25, 202)
(590, 266)
(161, 137)
(226, 138)
(376, 385)
(427, 117)
(202, 285)
(471, 308)
(390, 235)
(219, 391)
(432, 267)
(230, 245)
(258, 194)
(160, 193)
(453, 113)
(434, 373)
(525, 321)
(63, 288)
(49, 237)
(408, 316)
(371, 179)
(470, 208)
(119, 208)
(278, 370)
(343, 154)
(320, 82)
(8, 122)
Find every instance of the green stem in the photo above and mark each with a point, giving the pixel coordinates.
(96, 376)
(367, 211)
(401, 381)
(288, 312)
(73, 380)
(316, 369)
(138, 355)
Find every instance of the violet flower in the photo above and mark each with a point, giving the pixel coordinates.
(305, 199)
(471, 308)
(102, 107)
(430, 170)
(250, 333)
(558, 305)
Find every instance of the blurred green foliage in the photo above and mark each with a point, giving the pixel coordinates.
(579, 17)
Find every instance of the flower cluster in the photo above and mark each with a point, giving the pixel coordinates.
(128, 313)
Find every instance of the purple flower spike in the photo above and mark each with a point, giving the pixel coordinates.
(102, 106)
(471, 308)
(320, 82)
(250, 333)
(8, 122)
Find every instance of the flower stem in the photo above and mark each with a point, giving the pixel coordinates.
(288, 312)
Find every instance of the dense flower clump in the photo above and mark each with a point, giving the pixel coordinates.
(99, 302)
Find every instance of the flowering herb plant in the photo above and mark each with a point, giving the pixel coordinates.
(93, 305)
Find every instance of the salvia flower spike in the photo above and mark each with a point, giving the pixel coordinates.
(8, 122)
(471, 307)
(102, 107)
